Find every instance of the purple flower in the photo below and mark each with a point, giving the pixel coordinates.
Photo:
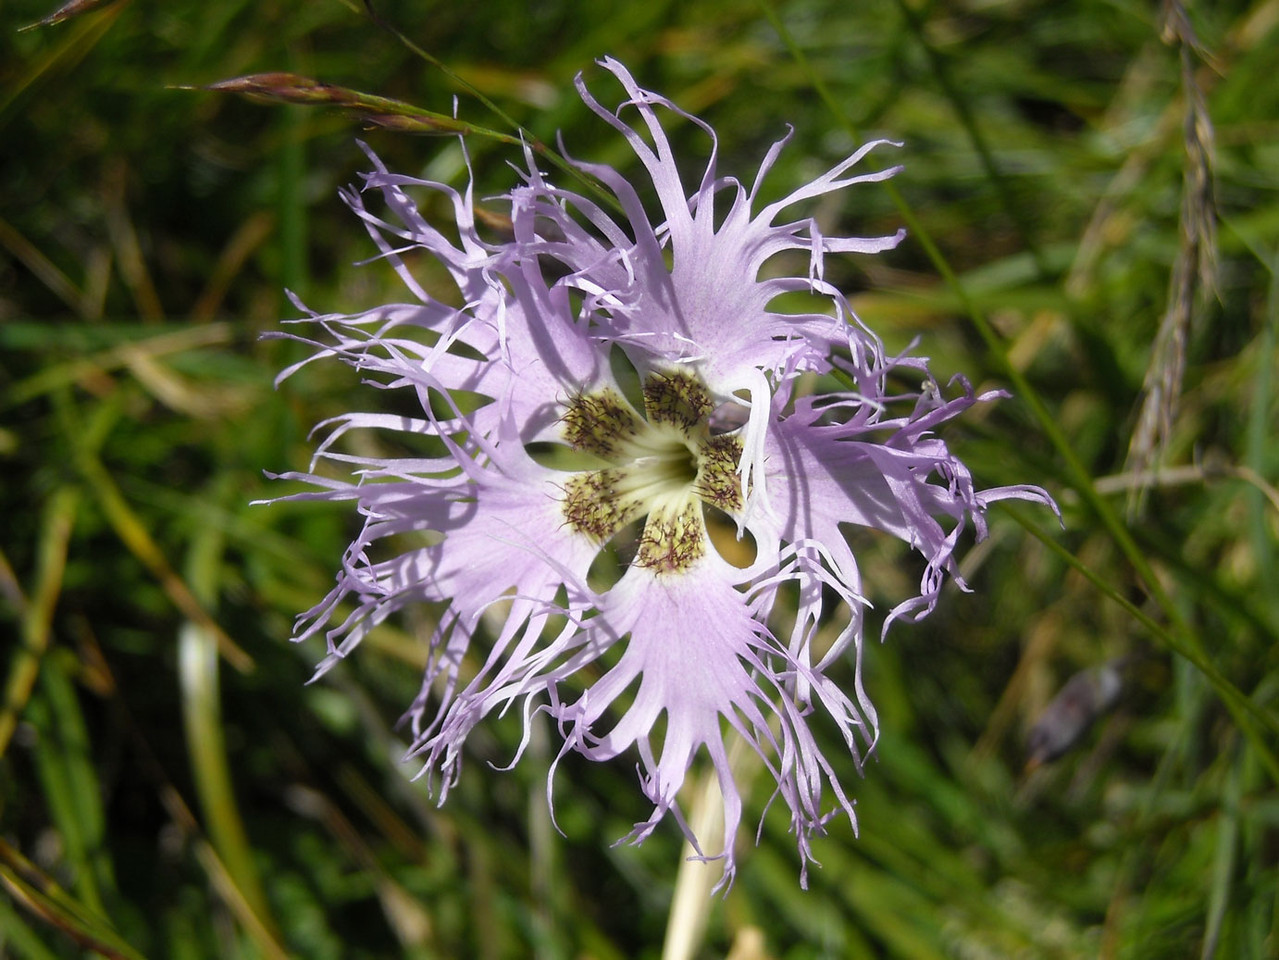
(638, 394)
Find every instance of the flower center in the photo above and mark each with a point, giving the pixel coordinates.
(663, 465)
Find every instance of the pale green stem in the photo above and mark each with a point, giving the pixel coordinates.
(691, 902)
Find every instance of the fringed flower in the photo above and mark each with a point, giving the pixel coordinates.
(638, 477)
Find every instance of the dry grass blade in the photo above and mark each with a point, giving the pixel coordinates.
(1182, 476)
(1194, 270)
(281, 87)
(124, 355)
(67, 11)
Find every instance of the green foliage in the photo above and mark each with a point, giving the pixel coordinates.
(169, 784)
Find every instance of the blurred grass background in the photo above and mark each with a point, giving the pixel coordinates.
(1090, 172)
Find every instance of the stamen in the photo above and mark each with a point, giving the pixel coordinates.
(599, 423)
(717, 480)
(673, 539)
(665, 466)
(594, 506)
(678, 399)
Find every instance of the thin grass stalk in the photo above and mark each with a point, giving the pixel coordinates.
(1012, 209)
(37, 617)
(603, 196)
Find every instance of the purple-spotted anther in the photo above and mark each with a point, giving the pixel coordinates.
(607, 529)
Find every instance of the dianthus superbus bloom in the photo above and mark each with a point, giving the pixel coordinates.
(605, 390)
